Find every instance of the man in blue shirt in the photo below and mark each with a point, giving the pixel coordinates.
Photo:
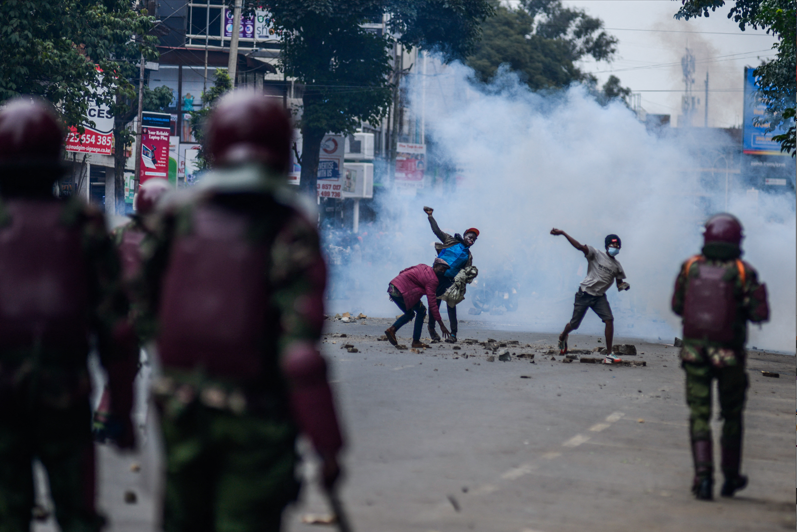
(455, 250)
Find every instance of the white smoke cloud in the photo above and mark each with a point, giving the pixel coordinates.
(532, 162)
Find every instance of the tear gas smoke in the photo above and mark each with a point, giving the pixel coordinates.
(530, 162)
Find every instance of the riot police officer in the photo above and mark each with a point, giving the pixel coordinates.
(128, 239)
(235, 281)
(717, 293)
(59, 286)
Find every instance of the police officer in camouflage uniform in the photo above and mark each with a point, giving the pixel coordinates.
(128, 239)
(235, 280)
(717, 293)
(60, 285)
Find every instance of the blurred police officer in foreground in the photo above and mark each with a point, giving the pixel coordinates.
(128, 239)
(717, 293)
(60, 286)
(235, 280)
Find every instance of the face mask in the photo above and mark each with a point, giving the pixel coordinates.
(614, 251)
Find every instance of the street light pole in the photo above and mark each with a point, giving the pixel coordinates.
(138, 125)
(236, 29)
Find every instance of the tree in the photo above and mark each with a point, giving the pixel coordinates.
(541, 41)
(221, 85)
(65, 51)
(345, 68)
(775, 78)
(613, 91)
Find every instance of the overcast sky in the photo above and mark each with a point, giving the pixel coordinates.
(652, 43)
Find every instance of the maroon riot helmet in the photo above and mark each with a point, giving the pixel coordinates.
(246, 126)
(722, 237)
(148, 195)
(723, 227)
(31, 136)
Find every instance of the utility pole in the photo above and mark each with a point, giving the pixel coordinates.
(705, 119)
(207, 32)
(236, 29)
(138, 125)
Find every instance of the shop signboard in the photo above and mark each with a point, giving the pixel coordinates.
(410, 165)
(330, 167)
(259, 26)
(97, 138)
(155, 135)
(358, 180)
(757, 140)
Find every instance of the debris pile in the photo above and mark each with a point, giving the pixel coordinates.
(347, 317)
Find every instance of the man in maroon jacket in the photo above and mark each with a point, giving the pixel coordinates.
(406, 291)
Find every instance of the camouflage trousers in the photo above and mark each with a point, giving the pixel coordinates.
(732, 384)
(225, 472)
(61, 439)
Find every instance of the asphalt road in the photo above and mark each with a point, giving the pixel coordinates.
(444, 442)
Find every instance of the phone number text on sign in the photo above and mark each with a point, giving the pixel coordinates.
(89, 142)
(329, 191)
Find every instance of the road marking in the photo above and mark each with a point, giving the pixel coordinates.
(518, 472)
(403, 367)
(615, 416)
(576, 440)
(597, 427)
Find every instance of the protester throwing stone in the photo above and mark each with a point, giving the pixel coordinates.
(455, 250)
(406, 291)
(717, 293)
(602, 269)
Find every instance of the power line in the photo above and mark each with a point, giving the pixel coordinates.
(717, 59)
(695, 32)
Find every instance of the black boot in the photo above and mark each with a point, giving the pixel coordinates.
(703, 484)
(731, 463)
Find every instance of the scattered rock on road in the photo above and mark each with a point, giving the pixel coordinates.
(770, 374)
(490, 358)
(624, 349)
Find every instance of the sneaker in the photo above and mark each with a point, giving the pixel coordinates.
(419, 345)
(563, 347)
(452, 339)
(611, 359)
(434, 336)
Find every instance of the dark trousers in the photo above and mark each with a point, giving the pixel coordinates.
(418, 312)
(445, 283)
(61, 439)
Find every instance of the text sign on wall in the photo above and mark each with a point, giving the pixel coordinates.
(155, 136)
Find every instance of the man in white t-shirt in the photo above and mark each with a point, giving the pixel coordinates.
(602, 269)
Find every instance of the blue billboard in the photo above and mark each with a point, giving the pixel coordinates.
(756, 139)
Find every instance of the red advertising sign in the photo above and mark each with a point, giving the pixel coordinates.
(89, 142)
(410, 164)
(97, 138)
(154, 153)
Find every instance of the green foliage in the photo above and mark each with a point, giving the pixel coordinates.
(61, 50)
(221, 85)
(613, 91)
(541, 41)
(345, 68)
(776, 80)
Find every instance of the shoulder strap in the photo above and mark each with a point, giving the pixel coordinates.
(688, 263)
(742, 272)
